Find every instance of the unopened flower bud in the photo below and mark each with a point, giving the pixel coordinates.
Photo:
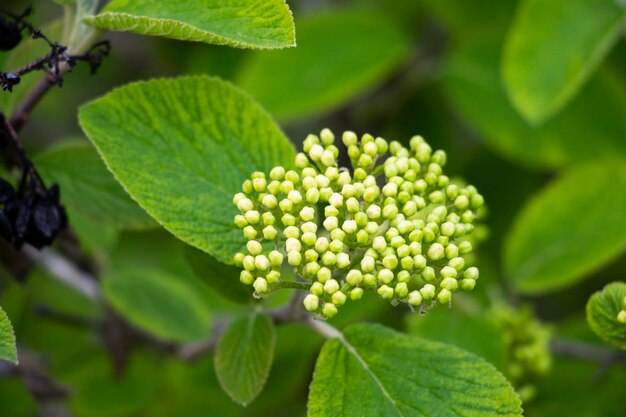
(311, 302)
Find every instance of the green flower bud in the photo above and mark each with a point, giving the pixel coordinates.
(329, 310)
(371, 194)
(307, 214)
(308, 227)
(401, 290)
(448, 271)
(352, 204)
(268, 219)
(379, 243)
(452, 251)
(361, 219)
(286, 187)
(468, 284)
(407, 263)
(277, 173)
(294, 258)
(621, 316)
(249, 232)
(246, 187)
(241, 221)
(311, 302)
(336, 200)
(260, 285)
(276, 258)
(270, 232)
(385, 292)
(336, 246)
(338, 234)
(246, 277)
(414, 298)
(323, 275)
(312, 196)
(294, 196)
(349, 226)
(338, 298)
(385, 276)
(311, 255)
(354, 277)
(403, 276)
(450, 284)
(373, 212)
(286, 205)
(477, 201)
(308, 238)
(435, 251)
(331, 286)
(343, 260)
(356, 294)
(457, 263)
(259, 184)
(368, 264)
(272, 277)
(328, 158)
(316, 152)
(444, 296)
(471, 273)
(261, 262)
(390, 211)
(465, 247)
(362, 237)
(238, 259)
(349, 138)
(428, 273)
(322, 181)
(317, 288)
(419, 262)
(448, 229)
(329, 259)
(254, 247)
(390, 262)
(253, 216)
(428, 292)
(312, 268)
(461, 202)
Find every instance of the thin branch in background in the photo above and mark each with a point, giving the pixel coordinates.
(66, 272)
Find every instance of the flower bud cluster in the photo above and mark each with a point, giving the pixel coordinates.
(621, 316)
(395, 224)
(527, 343)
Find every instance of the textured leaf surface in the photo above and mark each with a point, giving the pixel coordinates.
(243, 357)
(182, 148)
(472, 82)
(7, 339)
(257, 24)
(552, 49)
(375, 371)
(572, 227)
(332, 63)
(88, 188)
(602, 310)
(224, 279)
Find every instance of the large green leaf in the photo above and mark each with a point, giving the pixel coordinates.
(224, 279)
(602, 310)
(7, 339)
(88, 188)
(572, 227)
(257, 24)
(472, 82)
(158, 302)
(334, 61)
(475, 333)
(182, 148)
(552, 49)
(244, 355)
(374, 371)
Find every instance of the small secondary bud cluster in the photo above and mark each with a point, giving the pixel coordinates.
(621, 316)
(395, 224)
(527, 343)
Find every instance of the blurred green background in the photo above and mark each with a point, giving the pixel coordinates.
(394, 68)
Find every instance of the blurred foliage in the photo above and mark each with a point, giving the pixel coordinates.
(392, 67)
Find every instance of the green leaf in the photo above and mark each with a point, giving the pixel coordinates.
(8, 351)
(552, 49)
(158, 302)
(224, 279)
(602, 310)
(374, 371)
(88, 188)
(475, 333)
(243, 357)
(332, 63)
(256, 24)
(573, 226)
(182, 148)
(472, 82)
